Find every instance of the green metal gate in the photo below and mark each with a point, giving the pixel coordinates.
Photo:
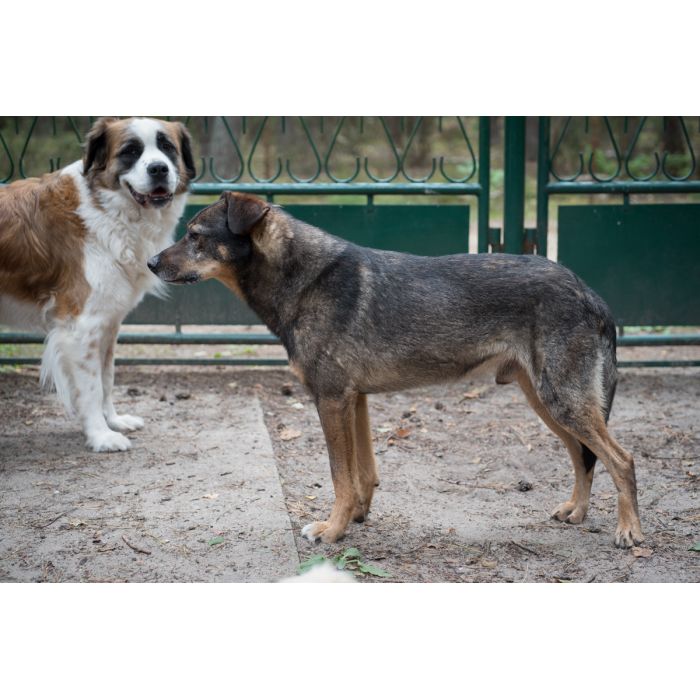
(409, 183)
(642, 257)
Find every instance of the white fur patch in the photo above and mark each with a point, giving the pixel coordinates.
(307, 531)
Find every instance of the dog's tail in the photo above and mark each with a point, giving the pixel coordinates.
(608, 371)
(53, 374)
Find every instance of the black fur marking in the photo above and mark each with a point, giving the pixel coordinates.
(166, 147)
(96, 147)
(187, 157)
(589, 458)
(129, 154)
(340, 280)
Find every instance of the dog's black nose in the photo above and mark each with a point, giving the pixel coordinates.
(153, 263)
(158, 169)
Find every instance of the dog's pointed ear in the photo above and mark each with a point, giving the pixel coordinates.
(244, 212)
(96, 145)
(186, 150)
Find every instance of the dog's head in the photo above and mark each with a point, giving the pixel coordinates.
(218, 240)
(149, 161)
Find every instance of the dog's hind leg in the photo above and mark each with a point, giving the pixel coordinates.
(574, 510)
(338, 422)
(582, 415)
(366, 465)
(114, 420)
(620, 465)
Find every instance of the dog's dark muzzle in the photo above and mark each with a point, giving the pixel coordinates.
(169, 273)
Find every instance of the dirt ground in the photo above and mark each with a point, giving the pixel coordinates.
(232, 463)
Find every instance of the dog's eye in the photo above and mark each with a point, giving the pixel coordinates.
(132, 151)
(167, 147)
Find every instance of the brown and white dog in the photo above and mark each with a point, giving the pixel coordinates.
(73, 252)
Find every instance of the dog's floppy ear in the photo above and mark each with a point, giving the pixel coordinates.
(96, 145)
(244, 212)
(186, 150)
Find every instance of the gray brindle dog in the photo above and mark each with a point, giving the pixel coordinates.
(357, 321)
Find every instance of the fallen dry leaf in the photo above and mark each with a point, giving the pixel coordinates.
(402, 433)
(475, 393)
(289, 434)
(210, 496)
(642, 552)
(489, 563)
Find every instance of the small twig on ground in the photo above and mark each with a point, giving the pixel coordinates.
(527, 570)
(523, 547)
(454, 482)
(521, 437)
(58, 517)
(134, 547)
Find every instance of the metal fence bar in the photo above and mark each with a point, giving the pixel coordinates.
(270, 339)
(514, 185)
(485, 183)
(542, 178)
(244, 362)
(623, 187)
(279, 362)
(164, 338)
(360, 188)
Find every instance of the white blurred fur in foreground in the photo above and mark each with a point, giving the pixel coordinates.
(324, 572)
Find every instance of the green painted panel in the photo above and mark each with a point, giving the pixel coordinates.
(643, 259)
(420, 229)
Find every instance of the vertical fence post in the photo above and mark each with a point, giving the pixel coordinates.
(542, 179)
(514, 185)
(485, 182)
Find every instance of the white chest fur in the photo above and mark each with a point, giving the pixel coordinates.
(121, 237)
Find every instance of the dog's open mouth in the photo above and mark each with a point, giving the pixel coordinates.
(159, 197)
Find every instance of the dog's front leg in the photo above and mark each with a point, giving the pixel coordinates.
(72, 358)
(115, 421)
(338, 423)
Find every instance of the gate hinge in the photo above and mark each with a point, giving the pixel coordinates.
(494, 240)
(529, 240)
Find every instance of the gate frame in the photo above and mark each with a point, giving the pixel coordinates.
(516, 238)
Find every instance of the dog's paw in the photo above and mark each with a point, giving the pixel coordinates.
(320, 530)
(569, 512)
(626, 537)
(125, 422)
(108, 441)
